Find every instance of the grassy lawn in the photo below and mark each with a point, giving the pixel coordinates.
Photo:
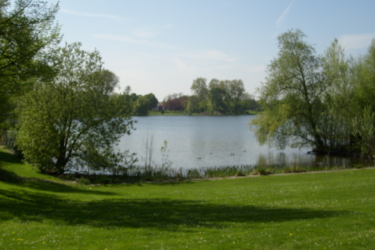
(307, 211)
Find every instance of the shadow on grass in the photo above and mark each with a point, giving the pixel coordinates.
(8, 157)
(12, 178)
(35, 183)
(8, 176)
(58, 188)
(163, 214)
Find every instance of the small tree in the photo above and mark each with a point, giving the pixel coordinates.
(73, 116)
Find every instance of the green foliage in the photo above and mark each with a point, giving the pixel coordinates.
(199, 88)
(193, 174)
(73, 116)
(320, 101)
(291, 95)
(218, 100)
(84, 181)
(221, 97)
(152, 101)
(143, 104)
(225, 171)
(26, 31)
(192, 105)
(262, 171)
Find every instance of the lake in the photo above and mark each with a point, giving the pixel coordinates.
(207, 141)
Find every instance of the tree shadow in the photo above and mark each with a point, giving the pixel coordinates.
(56, 187)
(164, 214)
(12, 178)
(8, 176)
(8, 157)
(167, 183)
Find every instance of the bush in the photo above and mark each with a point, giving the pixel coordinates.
(262, 171)
(193, 174)
(84, 181)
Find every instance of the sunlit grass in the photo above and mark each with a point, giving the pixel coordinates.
(314, 211)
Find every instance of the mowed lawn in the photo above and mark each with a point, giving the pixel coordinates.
(334, 210)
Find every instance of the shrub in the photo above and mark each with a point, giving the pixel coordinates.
(262, 171)
(84, 181)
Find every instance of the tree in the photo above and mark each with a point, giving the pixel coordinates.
(335, 125)
(192, 104)
(215, 83)
(291, 95)
(249, 103)
(362, 106)
(199, 88)
(25, 32)
(235, 90)
(176, 101)
(141, 106)
(73, 116)
(218, 100)
(152, 101)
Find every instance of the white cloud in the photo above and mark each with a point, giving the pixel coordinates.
(142, 42)
(358, 41)
(285, 14)
(91, 14)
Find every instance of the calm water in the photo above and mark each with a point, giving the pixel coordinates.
(206, 141)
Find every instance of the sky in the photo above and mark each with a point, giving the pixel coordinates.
(161, 46)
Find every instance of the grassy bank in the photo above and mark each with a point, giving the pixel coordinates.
(179, 113)
(167, 113)
(316, 211)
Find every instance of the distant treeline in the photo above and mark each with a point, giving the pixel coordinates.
(216, 98)
(140, 104)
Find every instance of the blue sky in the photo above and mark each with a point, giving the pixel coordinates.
(161, 46)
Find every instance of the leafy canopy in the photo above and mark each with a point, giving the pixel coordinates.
(25, 32)
(73, 116)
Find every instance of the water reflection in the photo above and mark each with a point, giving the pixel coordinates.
(206, 141)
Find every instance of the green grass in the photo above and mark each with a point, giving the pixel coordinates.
(332, 210)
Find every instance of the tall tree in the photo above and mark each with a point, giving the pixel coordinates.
(335, 124)
(235, 90)
(199, 88)
(25, 32)
(291, 94)
(218, 100)
(192, 104)
(73, 116)
(362, 105)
